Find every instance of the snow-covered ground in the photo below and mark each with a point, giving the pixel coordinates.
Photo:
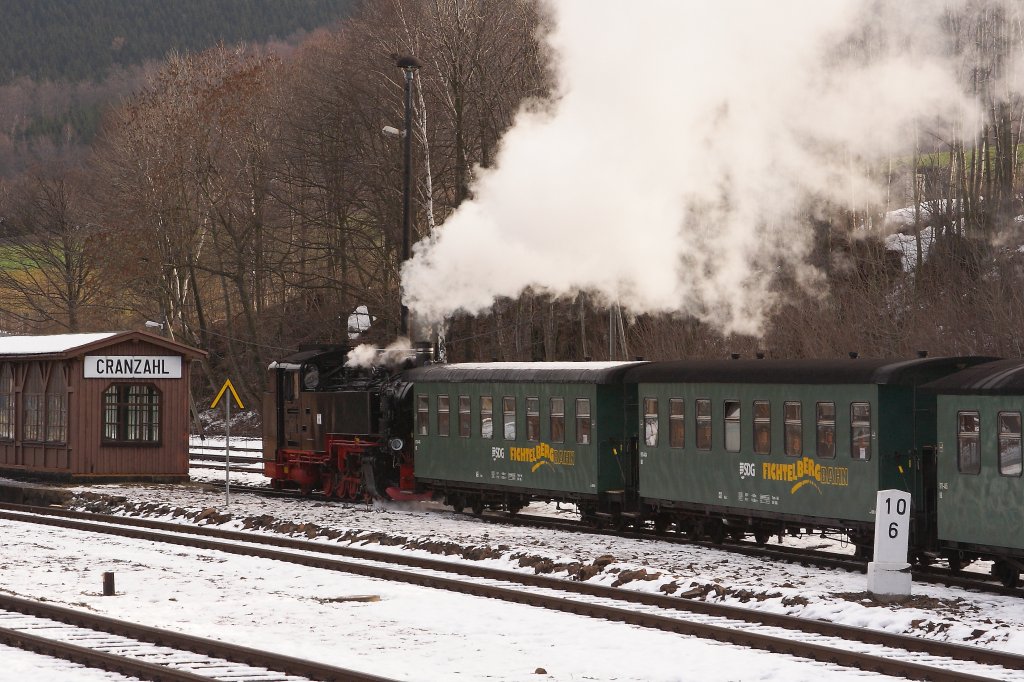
(420, 634)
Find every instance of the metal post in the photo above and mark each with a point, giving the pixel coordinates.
(227, 452)
(409, 65)
(108, 584)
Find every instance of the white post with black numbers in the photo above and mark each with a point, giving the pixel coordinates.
(889, 573)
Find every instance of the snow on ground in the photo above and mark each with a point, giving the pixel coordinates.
(414, 633)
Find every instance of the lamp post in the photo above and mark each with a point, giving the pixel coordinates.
(409, 65)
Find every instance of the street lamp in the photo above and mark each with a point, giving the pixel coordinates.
(409, 65)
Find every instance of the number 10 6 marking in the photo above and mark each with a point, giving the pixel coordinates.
(901, 509)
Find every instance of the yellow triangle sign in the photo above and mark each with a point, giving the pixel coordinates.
(234, 394)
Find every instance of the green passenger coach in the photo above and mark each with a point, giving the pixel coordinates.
(768, 447)
(980, 487)
(500, 434)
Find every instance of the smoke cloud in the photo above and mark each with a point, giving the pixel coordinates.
(685, 145)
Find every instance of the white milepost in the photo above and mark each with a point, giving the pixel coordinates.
(889, 573)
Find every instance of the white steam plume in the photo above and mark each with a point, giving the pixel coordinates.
(366, 356)
(685, 144)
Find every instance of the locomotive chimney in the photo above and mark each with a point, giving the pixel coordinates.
(424, 351)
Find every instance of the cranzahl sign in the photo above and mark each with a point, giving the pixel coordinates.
(132, 367)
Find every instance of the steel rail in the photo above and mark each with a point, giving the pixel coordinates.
(133, 527)
(256, 658)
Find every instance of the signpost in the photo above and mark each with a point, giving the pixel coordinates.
(889, 573)
(227, 433)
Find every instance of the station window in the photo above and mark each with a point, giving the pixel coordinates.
(826, 425)
(794, 429)
(486, 416)
(422, 415)
(533, 419)
(676, 422)
(32, 404)
(650, 421)
(968, 453)
(508, 409)
(732, 425)
(131, 414)
(444, 409)
(557, 419)
(1009, 444)
(762, 427)
(583, 421)
(57, 406)
(6, 402)
(860, 431)
(703, 424)
(465, 418)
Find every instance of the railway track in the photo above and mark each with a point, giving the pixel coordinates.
(149, 653)
(935, 574)
(871, 650)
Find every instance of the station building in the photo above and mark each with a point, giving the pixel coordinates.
(91, 407)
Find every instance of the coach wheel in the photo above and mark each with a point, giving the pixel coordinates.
(737, 534)
(761, 536)
(478, 507)
(661, 522)
(1007, 573)
(514, 508)
(694, 531)
(717, 532)
(956, 562)
(457, 503)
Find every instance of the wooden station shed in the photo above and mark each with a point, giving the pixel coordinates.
(104, 406)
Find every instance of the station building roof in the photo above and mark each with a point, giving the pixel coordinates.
(71, 345)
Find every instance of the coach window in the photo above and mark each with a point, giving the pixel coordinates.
(1009, 444)
(444, 409)
(794, 429)
(131, 414)
(676, 422)
(486, 416)
(508, 408)
(465, 420)
(583, 421)
(968, 455)
(732, 425)
(826, 421)
(860, 431)
(533, 419)
(703, 424)
(422, 415)
(762, 427)
(650, 422)
(557, 419)
(6, 402)
(57, 406)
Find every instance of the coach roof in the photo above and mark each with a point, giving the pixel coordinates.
(1002, 377)
(526, 372)
(858, 371)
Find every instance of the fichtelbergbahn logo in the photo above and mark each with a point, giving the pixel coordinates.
(543, 455)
